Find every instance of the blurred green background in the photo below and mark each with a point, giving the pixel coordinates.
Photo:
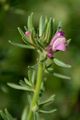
(14, 61)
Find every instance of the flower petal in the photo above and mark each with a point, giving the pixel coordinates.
(59, 44)
(57, 35)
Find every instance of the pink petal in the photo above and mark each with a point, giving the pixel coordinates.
(57, 35)
(59, 44)
(61, 47)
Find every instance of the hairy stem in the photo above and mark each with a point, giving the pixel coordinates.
(37, 91)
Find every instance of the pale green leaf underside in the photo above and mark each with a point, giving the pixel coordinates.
(48, 101)
(61, 76)
(47, 112)
(21, 45)
(61, 64)
(18, 87)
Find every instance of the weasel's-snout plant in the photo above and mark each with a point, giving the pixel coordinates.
(46, 43)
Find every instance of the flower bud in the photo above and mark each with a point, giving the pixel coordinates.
(27, 33)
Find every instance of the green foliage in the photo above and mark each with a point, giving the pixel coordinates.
(6, 115)
(34, 84)
(38, 40)
(28, 85)
(48, 101)
(47, 112)
(42, 25)
(23, 85)
(21, 45)
(24, 37)
(61, 76)
(30, 23)
(61, 64)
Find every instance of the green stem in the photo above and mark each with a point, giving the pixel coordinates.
(37, 91)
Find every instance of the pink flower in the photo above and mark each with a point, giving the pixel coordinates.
(27, 33)
(58, 43)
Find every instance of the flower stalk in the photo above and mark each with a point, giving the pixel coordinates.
(37, 91)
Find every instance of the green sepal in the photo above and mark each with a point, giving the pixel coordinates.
(68, 41)
(59, 28)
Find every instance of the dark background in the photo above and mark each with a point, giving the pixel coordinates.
(14, 61)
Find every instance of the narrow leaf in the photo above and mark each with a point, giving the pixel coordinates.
(36, 116)
(22, 83)
(21, 45)
(31, 75)
(18, 87)
(24, 114)
(25, 28)
(61, 64)
(61, 76)
(8, 115)
(3, 115)
(30, 23)
(47, 112)
(27, 82)
(24, 37)
(48, 101)
(48, 31)
(29, 98)
(35, 41)
(42, 25)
